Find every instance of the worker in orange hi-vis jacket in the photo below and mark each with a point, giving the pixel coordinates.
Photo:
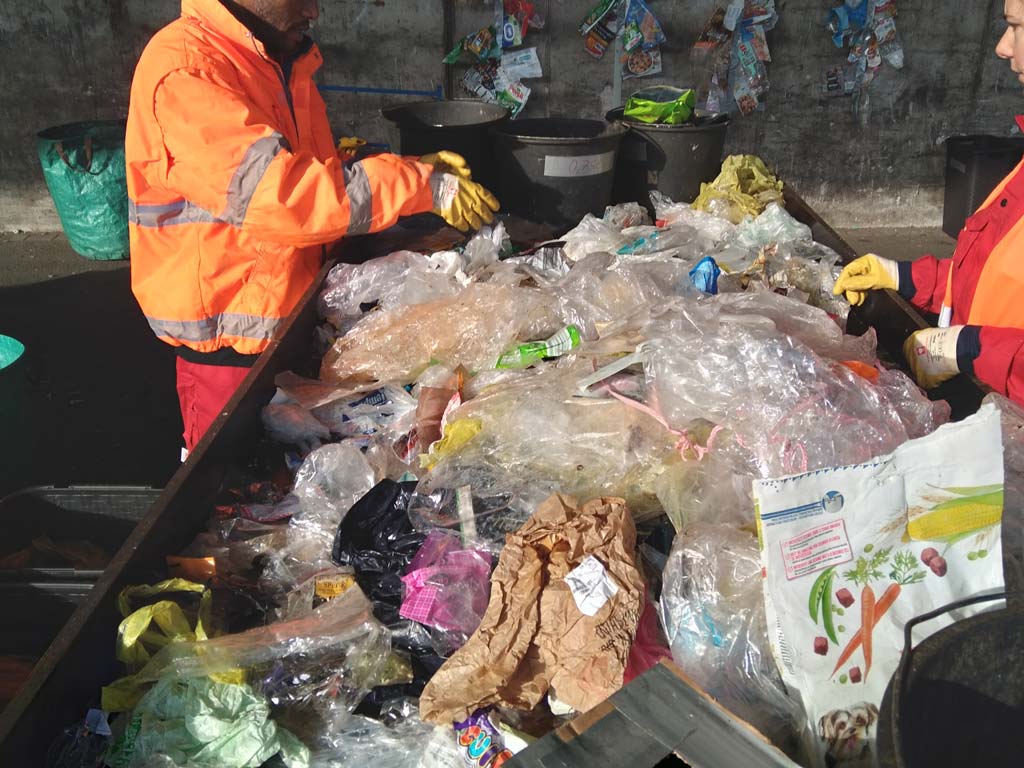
(235, 186)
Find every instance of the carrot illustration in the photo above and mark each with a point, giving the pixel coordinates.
(867, 620)
(884, 604)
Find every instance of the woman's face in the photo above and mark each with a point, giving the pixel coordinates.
(1011, 44)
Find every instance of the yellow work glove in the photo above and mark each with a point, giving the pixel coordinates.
(868, 273)
(448, 162)
(931, 354)
(462, 203)
(348, 146)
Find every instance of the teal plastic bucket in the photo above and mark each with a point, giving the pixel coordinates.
(13, 387)
(11, 351)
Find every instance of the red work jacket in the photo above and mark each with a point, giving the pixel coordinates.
(986, 289)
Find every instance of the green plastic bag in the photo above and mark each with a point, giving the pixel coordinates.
(84, 168)
(199, 723)
(661, 104)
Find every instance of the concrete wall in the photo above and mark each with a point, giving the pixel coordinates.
(65, 60)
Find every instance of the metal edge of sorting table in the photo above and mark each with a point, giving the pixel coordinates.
(68, 677)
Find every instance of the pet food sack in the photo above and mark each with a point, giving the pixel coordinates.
(851, 554)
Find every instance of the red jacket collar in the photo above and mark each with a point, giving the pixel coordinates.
(1020, 122)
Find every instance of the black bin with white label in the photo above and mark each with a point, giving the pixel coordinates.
(556, 170)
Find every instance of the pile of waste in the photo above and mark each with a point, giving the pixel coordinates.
(522, 479)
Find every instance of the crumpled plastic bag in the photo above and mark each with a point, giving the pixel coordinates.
(713, 230)
(712, 609)
(292, 424)
(199, 723)
(744, 188)
(661, 104)
(399, 279)
(447, 587)
(592, 235)
(471, 328)
(784, 409)
(314, 669)
(329, 481)
(377, 540)
(148, 628)
(773, 225)
(534, 636)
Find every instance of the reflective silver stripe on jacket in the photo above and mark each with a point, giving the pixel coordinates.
(209, 329)
(168, 215)
(243, 186)
(248, 175)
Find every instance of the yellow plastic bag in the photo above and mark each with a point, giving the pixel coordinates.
(744, 188)
(147, 629)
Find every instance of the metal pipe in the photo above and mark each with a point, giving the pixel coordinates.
(437, 93)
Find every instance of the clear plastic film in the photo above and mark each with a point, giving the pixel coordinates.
(327, 484)
(779, 407)
(471, 328)
(714, 230)
(593, 235)
(535, 437)
(399, 279)
(409, 743)
(712, 609)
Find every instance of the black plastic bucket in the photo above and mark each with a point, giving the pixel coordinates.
(958, 697)
(459, 125)
(555, 170)
(672, 159)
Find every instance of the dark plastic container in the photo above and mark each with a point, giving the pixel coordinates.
(38, 601)
(974, 167)
(556, 170)
(459, 125)
(958, 697)
(672, 159)
(101, 515)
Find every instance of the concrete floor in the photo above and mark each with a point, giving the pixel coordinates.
(901, 244)
(97, 402)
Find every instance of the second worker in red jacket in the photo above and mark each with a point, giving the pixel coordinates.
(979, 293)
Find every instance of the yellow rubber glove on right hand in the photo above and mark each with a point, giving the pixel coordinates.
(868, 273)
(462, 203)
(446, 161)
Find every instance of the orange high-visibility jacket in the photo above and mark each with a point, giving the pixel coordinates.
(234, 183)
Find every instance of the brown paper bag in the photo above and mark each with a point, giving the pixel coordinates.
(533, 637)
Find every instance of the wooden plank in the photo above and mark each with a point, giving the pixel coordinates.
(659, 714)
